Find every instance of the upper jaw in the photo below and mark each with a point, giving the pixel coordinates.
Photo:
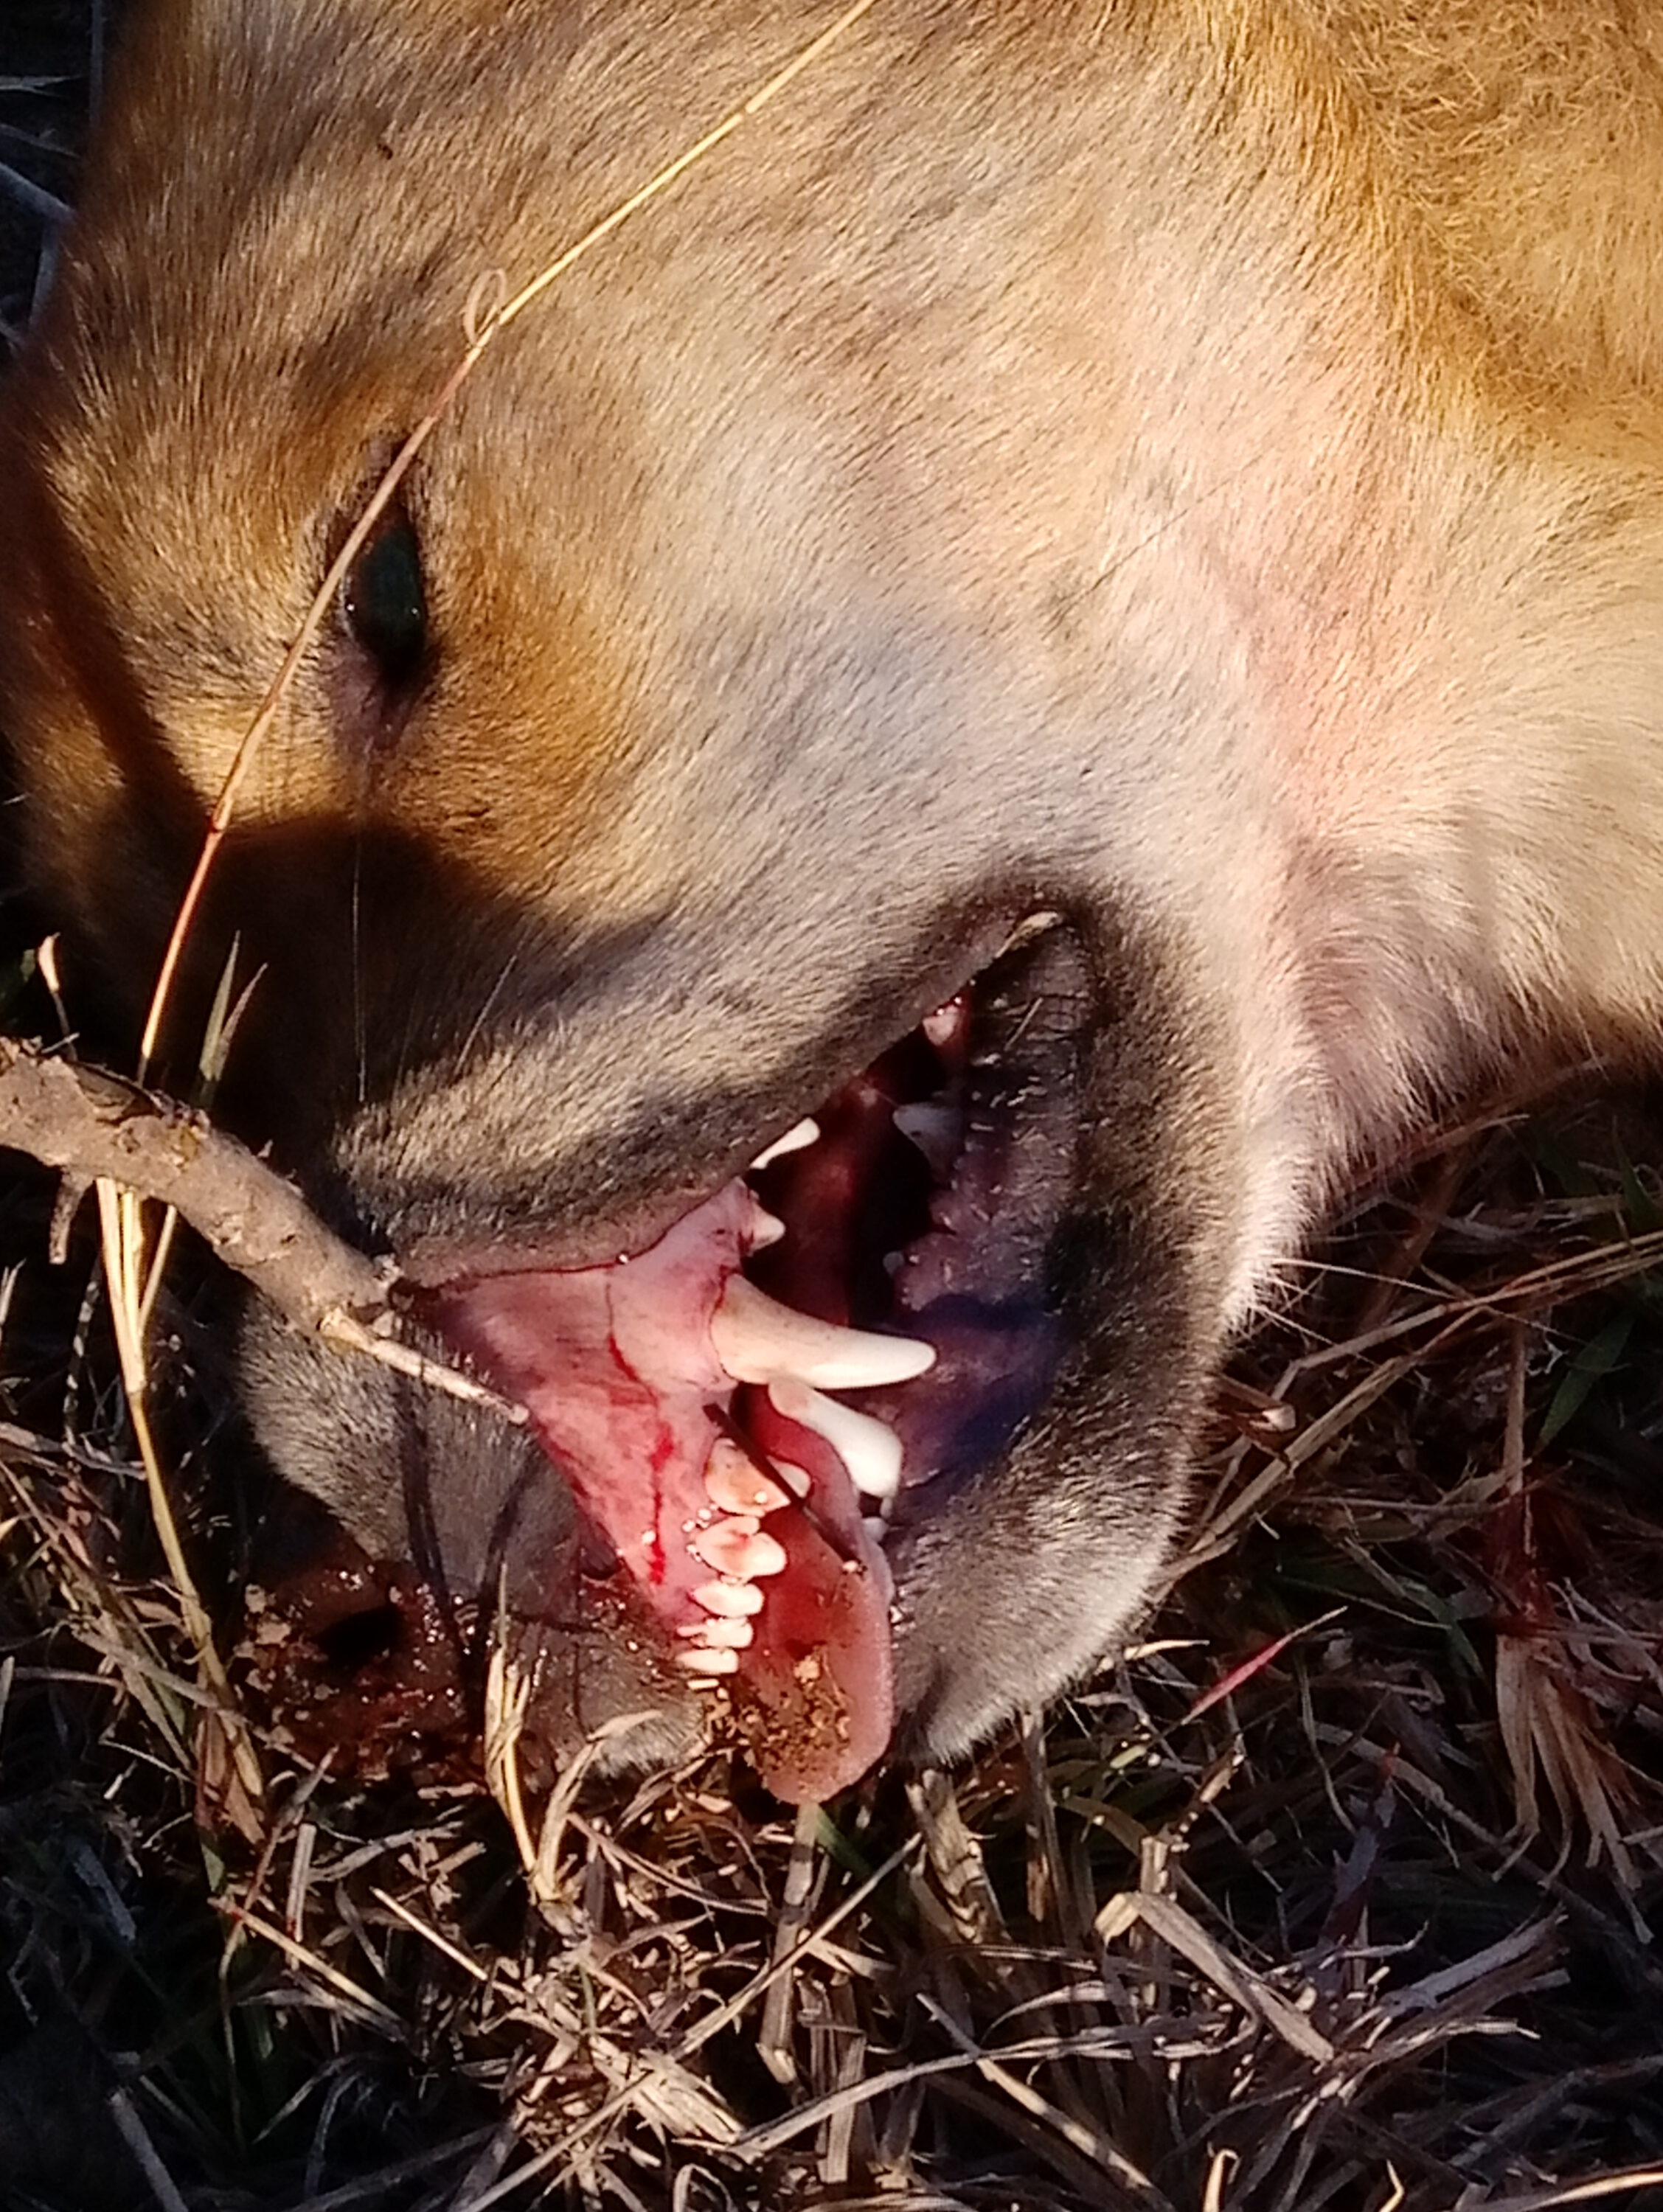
(588, 1116)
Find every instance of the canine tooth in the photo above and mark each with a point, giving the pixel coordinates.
(757, 1340)
(735, 1482)
(796, 1140)
(875, 1527)
(733, 1600)
(740, 1549)
(868, 1447)
(731, 1633)
(703, 1659)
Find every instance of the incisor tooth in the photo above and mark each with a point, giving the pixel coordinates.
(734, 1548)
(701, 1659)
(757, 1340)
(735, 1482)
(730, 1633)
(796, 1140)
(869, 1449)
(733, 1600)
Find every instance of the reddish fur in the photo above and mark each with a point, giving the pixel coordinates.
(1196, 462)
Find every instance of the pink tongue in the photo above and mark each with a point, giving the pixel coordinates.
(616, 1368)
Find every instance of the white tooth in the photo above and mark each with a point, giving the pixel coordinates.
(756, 1339)
(733, 1600)
(875, 1528)
(740, 1549)
(701, 1659)
(765, 1229)
(796, 1140)
(730, 1634)
(945, 1024)
(735, 1482)
(869, 1449)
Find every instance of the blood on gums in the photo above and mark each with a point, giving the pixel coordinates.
(658, 1459)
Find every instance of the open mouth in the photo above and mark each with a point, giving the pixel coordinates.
(751, 1412)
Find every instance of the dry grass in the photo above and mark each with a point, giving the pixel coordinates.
(1335, 1894)
(1339, 1893)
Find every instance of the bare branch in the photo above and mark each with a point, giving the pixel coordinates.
(90, 1125)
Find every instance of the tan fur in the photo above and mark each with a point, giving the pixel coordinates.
(1197, 464)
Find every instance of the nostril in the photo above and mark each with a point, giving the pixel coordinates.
(358, 1639)
(597, 1561)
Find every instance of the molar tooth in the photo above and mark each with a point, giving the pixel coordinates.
(729, 1633)
(733, 1600)
(740, 1549)
(938, 1131)
(868, 1447)
(796, 1140)
(757, 1340)
(766, 1229)
(701, 1659)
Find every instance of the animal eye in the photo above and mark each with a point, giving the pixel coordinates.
(384, 600)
